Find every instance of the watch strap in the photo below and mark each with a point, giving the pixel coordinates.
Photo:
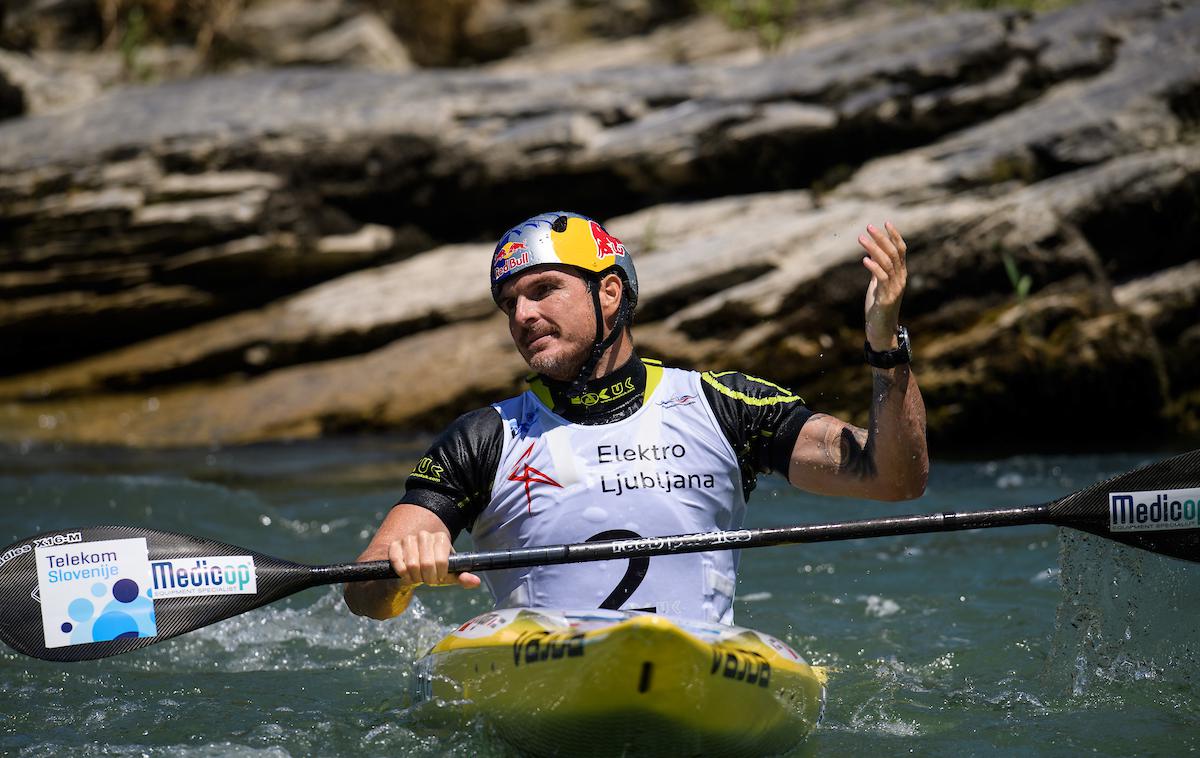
(890, 358)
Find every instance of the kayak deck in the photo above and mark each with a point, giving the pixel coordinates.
(616, 683)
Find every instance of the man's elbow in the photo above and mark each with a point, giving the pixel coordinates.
(907, 487)
(912, 492)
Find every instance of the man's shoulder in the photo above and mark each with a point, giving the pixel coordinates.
(653, 365)
(477, 423)
(481, 412)
(753, 390)
(517, 405)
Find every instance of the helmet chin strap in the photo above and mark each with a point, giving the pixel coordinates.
(601, 343)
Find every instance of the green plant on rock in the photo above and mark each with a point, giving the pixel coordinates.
(135, 33)
(132, 25)
(1021, 283)
(770, 20)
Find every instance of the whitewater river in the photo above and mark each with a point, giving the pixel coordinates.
(1020, 641)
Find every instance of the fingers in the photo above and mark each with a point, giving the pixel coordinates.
(876, 270)
(424, 558)
(886, 252)
(398, 557)
(435, 553)
(881, 248)
(897, 240)
(468, 581)
(885, 259)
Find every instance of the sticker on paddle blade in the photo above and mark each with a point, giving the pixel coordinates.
(1154, 511)
(95, 591)
(206, 575)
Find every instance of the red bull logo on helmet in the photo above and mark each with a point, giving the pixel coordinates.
(606, 244)
(512, 255)
(584, 243)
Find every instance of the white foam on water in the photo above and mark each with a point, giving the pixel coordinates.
(881, 693)
(317, 636)
(1126, 616)
(893, 728)
(899, 552)
(413, 734)
(879, 607)
(1009, 480)
(873, 717)
(1017, 700)
(212, 750)
(303, 528)
(1044, 577)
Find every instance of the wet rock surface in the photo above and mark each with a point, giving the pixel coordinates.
(300, 252)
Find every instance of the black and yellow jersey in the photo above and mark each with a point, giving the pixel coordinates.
(454, 479)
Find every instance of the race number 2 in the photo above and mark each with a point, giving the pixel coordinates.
(634, 575)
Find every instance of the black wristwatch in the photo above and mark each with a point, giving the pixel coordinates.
(890, 358)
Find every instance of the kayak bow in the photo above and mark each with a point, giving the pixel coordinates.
(618, 683)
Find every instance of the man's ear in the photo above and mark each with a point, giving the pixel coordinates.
(611, 288)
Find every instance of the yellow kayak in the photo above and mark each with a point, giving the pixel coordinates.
(616, 683)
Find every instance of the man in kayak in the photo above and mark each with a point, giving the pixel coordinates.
(608, 445)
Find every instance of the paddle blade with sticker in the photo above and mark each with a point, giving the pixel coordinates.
(1155, 507)
(81, 594)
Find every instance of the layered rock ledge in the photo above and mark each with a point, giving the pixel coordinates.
(301, 252)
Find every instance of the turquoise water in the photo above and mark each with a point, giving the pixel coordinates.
(1009, 641)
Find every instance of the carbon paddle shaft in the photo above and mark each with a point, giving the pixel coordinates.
(1086, 510)
(695, 543)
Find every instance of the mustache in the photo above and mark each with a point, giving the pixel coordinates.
(531, 335)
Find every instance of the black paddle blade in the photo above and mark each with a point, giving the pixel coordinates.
(81, 594)
(1156, 508)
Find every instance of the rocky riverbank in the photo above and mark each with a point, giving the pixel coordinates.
(298, 252)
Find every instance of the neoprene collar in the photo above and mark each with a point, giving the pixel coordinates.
(610, 398)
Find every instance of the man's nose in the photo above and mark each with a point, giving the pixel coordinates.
(524, 310)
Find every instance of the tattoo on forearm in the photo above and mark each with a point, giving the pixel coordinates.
(856, 457)
(851, 450)
(857, 446)
(854, 447)
(846, 449)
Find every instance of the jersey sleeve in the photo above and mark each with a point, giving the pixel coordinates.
(454, 477)
(761, 420)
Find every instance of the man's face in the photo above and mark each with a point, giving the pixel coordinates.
(551, 319)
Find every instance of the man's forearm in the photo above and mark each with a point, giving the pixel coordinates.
(385, 598)
(896, 447)
(380, 598)
(887, 460)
